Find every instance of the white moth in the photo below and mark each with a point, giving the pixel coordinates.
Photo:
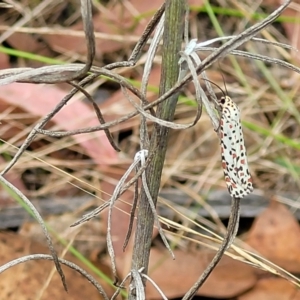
(234, 158)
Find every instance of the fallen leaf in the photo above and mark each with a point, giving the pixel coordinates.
(122, 19)
(272, 289)
(25, 281)
(39, 100)
(176, 277)
(126, 20)
(275, 235)
(4, 61)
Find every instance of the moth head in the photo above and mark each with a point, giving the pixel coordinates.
(222, 100)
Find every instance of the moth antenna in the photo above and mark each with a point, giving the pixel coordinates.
(223, 79)
(224, 83)
(224, 94)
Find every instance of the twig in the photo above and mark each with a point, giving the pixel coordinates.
(257, 56)
(172, 40)
(162, 122)
(144, 135)
(40, 220)
(98, 113)
(124, 188)
(227, 241)
(141, 43)
(132, 212)
(71, 265)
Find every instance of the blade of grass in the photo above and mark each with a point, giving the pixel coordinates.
(267, 132)
(240, 74)
(293, 169)
(239, 14)
(289, 104)
(32, 56)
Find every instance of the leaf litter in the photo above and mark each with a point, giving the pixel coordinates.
(261, 109)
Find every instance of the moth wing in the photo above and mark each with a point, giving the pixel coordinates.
(229, 152)
(236, 172)
(243, 174)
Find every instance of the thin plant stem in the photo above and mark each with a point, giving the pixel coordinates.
(172, 40)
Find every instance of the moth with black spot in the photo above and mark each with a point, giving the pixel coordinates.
(234, 158)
